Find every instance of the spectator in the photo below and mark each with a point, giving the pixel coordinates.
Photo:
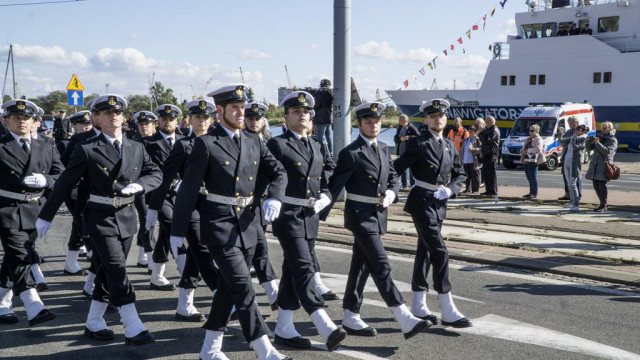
(480, 125)
(61, 127)
(574, 30)
(322, 120)
(573, 164)
(471, 161)
(405, 131)
(531, 156)
(457, 134)
(586, 31)
(563, 32)
(604, 148)
(564, 141)
(490, 148)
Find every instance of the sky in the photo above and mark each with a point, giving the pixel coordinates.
(196, 46)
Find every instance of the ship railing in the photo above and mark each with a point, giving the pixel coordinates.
(540, 5)
(500, 50)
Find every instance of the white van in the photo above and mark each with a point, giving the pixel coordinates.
(549, 118)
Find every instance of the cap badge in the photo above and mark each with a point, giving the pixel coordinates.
(86, 116)
(112, 101)
(374, 107)
(202, 105)
(302, 98)
(436, 104)
(167, 109)
(142, 116)
(254, 107)
(20, 105)
(239, 91)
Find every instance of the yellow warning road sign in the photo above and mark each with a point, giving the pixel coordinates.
(75, 84)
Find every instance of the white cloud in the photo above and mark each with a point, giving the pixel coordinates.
(315, 46)
(128, 59)
(362, 69)
(55, 55)
(251, 54)
(375, 50)
(509, 28)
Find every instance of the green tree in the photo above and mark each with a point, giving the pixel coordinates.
(161, 95)
(275, 114)
(138, 103)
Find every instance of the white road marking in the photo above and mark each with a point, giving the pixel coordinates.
(507, 329)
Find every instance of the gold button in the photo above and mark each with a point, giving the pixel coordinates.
(130, 181)
(370, 176)
(43, 171)
(298, 164)
(104, 168)
(255, 162)
(237, 179)
(308, 178)
(12, 172)
(226, 163)
(318, 191)
(308, 191)
(251, 193)
(115, 193)
(431, 166)
(128, 205)
(322, 164)
(378, 194)
(161, 163)
(115, 181)
(319, 178)
(237, 194)
(238, 208)
(378, 184)
(23, 191)
(135, 168)
(250, 178)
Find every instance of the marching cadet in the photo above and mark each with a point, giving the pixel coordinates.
(3, 127)
(29, 167)
(254, 123)
(114, 169)
(365, 170)
(199, 260)
(434, 163)
(37, 121)
(159, 146)
(308, 168)
(146, 238)
(229, 162)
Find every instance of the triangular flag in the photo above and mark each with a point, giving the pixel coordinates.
(484, 24)
(490, 47)
(406, 84)
(434, 62)
(502, 3)
(475, 27)
(460, 40)
(430, 66)
(422, 71)
(452, 47)
(493, 11)
(415, 77)
(445, 52)
(468, 34)
(464, 51)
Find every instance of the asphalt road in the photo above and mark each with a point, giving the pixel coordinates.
(516, 315)
(553, 179)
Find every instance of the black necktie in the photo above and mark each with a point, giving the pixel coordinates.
(374, 147)
(25, 146)
(236, 139)
(305, 141)
(116, 145)
(170, 140)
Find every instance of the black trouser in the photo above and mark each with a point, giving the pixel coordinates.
(600, 186)
(369, 258)
(261, 263)
(75, 239)
(199, 261)
(19, 253)
(145, 238)
(433, 250)
(163, 244)
(235, 288)
(112, 284)
(489, 174)
(473, 178)
(296, 285)
(314, 256)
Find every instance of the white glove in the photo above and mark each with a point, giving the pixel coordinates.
(443, 193)
(177, 186)
(152, 218)
(322, 202)
(42, 226)
(132, 189)
(389, 196)
(176, 243)
(35, 181)
(271, 209)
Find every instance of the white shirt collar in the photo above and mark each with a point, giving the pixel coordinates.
(229, 132)
(98, 132)
(18, 138)
(298, 136)
(369, 142)
(165, 136)
(112, 140)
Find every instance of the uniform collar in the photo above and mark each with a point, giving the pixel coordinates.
(165, 136)
(369, 142)
(229, 132)
(17, 137)
(112, 140)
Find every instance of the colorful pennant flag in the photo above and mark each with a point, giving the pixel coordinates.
(445, 52)
(502, 3)
(484, 24)
(493, 11)
(474, 27)
(430, 66)
(434, 62)
(422, 71)
(459, 40)
(468, 34)
(415, 77)
(452, 47)
(406, 83)
(464, 51)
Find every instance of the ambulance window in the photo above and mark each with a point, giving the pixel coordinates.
(607, 77)
(532, 80)
(542, 79)
(608, 24)
(597, 78)
(503, 80)
(512, 80)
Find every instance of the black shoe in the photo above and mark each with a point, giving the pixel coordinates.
(43, 316)
(143, 338)
(330, 295)
(86, 294)
(423, 324)
(565, 197)
(103, 335)
(368, 331)
(77, 273)
(41, 287)
(168, 287)
(191, 318)
(462, 323)
(142, 265)
(528, 196)
(433, 319)
(8, 319)
(274, 306)
(601, 209)
(335, 339)
(296, 342)
(252, 272)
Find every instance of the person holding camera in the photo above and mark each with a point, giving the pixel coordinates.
(572, 164)
(531, 156)
(604, 148)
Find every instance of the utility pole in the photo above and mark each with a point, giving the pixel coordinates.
(13, 71)
(341, 74)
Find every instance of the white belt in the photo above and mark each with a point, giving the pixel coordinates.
(299, 202)
(115, 201)
(228, 200)
(26, 197)
(203, 190)
(365, 199)
(428, 186)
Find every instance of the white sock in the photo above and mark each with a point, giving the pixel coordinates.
(185, 302)
(285, 328)
(323, 323)
(95, 319)
(82, 250)
(157, 274)
(181, 260)
(353, 321)
(404, 318)
(264, 350)
(212, 346)
(32, 303)
(319, 285)
(88, 284)
(142, 256)
(271, 289)
(131, 321)
(448, 309)
(6, 304)
(419, 304)
(71, 262)
(37, 273)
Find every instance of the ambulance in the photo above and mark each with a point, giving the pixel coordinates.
(549, 118)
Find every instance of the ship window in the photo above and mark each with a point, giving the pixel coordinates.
(542, 79)
(607, 77)
(503, 80)
(512, 80)
(608, 24)
(531, 31)
(549, 29)
(532, 80)
(597, 78)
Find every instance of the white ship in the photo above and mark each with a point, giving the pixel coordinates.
(541, 66)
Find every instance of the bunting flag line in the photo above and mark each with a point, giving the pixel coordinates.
(493, 11)
(445, 52)
(406, 83)
(452, 47)
(484, 24)
(434, 62)
(464, 51)
(460, 40)
(415, 77)
(502, 3)
(422, 71)
(430, 66)
(474, 27)
(468, 34)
